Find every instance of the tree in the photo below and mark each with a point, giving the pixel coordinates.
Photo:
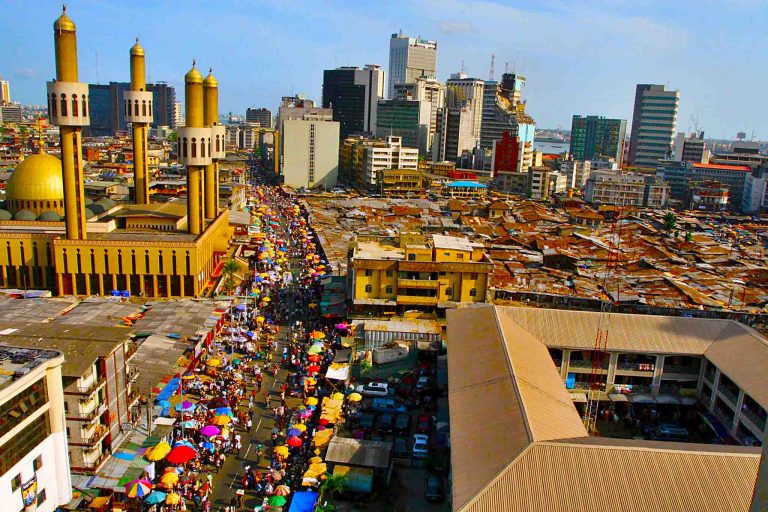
(670, 219)
(228, 272)
(330, 487)
(173, 136)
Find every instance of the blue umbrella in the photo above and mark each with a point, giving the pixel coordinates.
(224, 411)
(155, 497)
(163, 403)
(258, 279)
(184, 442)
(294, 432)
(240, 307)
(208, 445)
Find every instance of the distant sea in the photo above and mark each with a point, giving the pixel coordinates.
(551, 147)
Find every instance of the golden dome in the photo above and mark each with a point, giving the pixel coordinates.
(210, 80)
(137, 50)
(37, 178)
(194, 76)
(64, 23)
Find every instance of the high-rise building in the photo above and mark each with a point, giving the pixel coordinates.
(5, 92)
(654, 121)
(460, 90)
(262, 116)
(503, 111)
(626, 189)
(10, 113)
(691, 148)
(310, 153)
(34, 463)
(429, 90)
(407, 119)
(597, 137)
(353, 94)
(454, 133)
(108, 114)
(410, 58)
(178, 115)
(164, 97)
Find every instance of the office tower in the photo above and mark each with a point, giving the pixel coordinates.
(5, 92)
(310, 153)
(454, 134)
(262, 116)
(353, 94)
(504, 111)
(138, 112)
(597, 137)
(164, 97)
(691, 148)
(654, 121)
(410, 58)
(10, 113)
(178, 114)
(428, 90)
(407, 119)
(107, 112)
(461, 90)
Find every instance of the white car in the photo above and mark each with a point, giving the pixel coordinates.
(420, 446)
(379, 389)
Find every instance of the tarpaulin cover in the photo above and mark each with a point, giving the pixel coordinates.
(303, 502)
(169, 389)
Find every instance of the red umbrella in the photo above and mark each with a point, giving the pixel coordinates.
(322, 421)
(293, 441)
(313, 368)
(181, 454)
(314, 358)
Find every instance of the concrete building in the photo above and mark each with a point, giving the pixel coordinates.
(504, 111)
(361, 161)
(310, 151)
(691, 148)
(353, 94)
(298, 107)
(626, 189)
(407, 119)
(741, 153)
(5, 91)
(537, 369)
(417, 272)
(679, 175)
(34, 468)
(108, 115)
(755, 198)
(654, 123)
(454, 134)
(260, 116)
(710, 196)
(400, 182)
(410, 58)
(10, 113)
(178, 114)
(597, 137)
(576, 172)
(460, 91)
(429, 90)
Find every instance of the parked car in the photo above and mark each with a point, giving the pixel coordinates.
(422, 383)
(420, 446)
(668, 432)
(400, 448)
(403, 423)
(433, 489)
(387, 405)
(386, 422)
(424, 424)
(373, 389)
(365, 421)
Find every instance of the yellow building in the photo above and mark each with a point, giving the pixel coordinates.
(399, 182)
(154, 250)
(417, 272)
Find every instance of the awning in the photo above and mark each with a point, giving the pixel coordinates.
(358, 479)
(642, 399)
(618, 397)
(303, 502)
(338, 371)
(579, 398)
(667, 399)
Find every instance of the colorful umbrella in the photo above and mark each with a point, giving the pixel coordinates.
(223, 411)
(181, 455)
(277, 501)
(294, 432)
(314, 358)
(354, 397)
(315, 460)
(138, 488)
(185, 406)
(157, 452)
(283, 451)
(213, 363)
(170, 478)
(314, 349)
(300, 427)
(282, 490)
(210, 430)
(313, 368)
(311, 401)
(222, 420)
(294, 442)
(173, 499)
(155, 497)
(317, 335)
(337, 396)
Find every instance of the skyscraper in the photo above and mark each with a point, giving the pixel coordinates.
(5, 91)
(353, 94)
(408, 119)
(410, 58)
(464, 91)
(503, 111)
(108, 114)
(428, 90)
(262, 116)
(597, 137)
(654, 121)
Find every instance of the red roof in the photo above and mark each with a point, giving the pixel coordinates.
(724, 167)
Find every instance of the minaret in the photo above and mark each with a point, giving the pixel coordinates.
(194, 146)
(211, 119)
(138, 111)
(68, 109)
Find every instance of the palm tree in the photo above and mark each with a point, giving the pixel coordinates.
(228, 272)
(669, 221)
(331, 486)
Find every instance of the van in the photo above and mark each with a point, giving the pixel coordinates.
(665, 432)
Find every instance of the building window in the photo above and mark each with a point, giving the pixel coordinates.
(368, 288)
(389, 273)
(389, 289)
(63, 104)
(15, 483)
(368, 272)
(143, 108)
(53, 105)
(40, 497)
(449, 291)
(473, 276)
(194, 148)
(38, 462)
(411, 256)
(473, 292)
(75, 110)
(202, 148)
(85, 106)
(459, 256)
(136, 107)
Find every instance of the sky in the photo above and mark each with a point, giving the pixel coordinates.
(579, 56)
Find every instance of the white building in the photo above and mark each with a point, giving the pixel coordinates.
(410, 58)
(654, 122)
(576, 173)
(34, 468)
(626, 189)
(178, 114)
(391, 155)
(462, 90)
(310, 152)
(754, 199)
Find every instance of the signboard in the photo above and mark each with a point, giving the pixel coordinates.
(29, 494)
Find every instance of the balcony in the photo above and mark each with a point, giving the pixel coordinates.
(95, 464)
(636, 367)
(132, 374)
(89, 388)
(680, 369)
(732, 396)
(583, 363)
(756, 419)
(424, 284)
(96, 435)
(415, 300)
(89, 415)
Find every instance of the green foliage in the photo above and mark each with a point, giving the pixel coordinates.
(365, 366)
(670, 219)
(173, 136)
(228, 271)
(331, 486)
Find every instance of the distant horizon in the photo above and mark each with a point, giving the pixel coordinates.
(583, 60)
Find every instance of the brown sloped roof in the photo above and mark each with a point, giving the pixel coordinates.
(742, 354)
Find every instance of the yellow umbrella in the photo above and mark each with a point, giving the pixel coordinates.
(224, 432)
(213, 362)
(173, 499)
(266, 299)
(337, 396)
(300, 426)
(282, 451)
(260, 319)
(355, 397)
(157, 452)
(222, 420)
(170, 478)
(315, 460)
(317, 335)
(311, 401)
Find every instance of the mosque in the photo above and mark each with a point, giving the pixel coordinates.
(53, 238)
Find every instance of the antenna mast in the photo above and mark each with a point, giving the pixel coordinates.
(492, 72)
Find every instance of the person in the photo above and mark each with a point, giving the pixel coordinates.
(249, 423)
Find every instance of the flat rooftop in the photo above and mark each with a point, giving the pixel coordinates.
(377, 251)
(16, 362)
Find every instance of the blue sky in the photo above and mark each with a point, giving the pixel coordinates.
(580, 57)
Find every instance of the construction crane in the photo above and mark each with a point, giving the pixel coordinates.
(609, 281)
(492, 71)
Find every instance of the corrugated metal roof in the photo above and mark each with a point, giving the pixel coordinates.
(742, 354)
(359, 452)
